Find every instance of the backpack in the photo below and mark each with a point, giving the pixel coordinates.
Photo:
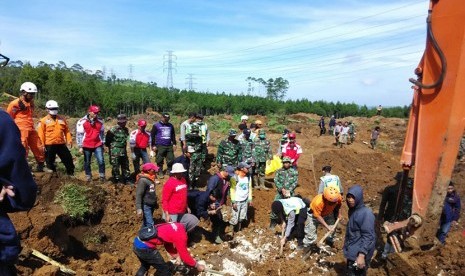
(147, 233)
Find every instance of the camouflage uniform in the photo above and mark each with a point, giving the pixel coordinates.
(351, 132)
(262, 153)
(287, 179)
(116, 139)
(194, 139)
(229, 152)
(205, 137)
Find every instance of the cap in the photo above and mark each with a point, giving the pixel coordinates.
(166, 115)
(122, 118)
(246, 131)
(189, 221)
(190, 149)
(142, 123)
(244, 117)
(149, 166)
(178, 168)
(243, 165)
(287, 159)
(232, 132)
(94, 109)
(230, 170)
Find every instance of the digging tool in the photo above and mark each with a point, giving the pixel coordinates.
(62, 267)
(281, 246)
(320, 243)
(214, 272)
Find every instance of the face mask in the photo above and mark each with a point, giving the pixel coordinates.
(53, 112)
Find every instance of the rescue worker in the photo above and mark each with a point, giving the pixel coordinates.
(360, 238)
(332, 125)
(163, 143)
(174, 195)
(321, 124)
(185, 129)
(173, 236)
(243, 124)
(262, 153)
(322, 208)
(450, 213)
(194, 139)
(202, 203)
(205, 137)
(337, 132)
(379, 109)
(285, 180)
(351, 132)
(344, 135)
(139, 140)
(146, 197)
(116, 141)
(329, 180)
(54, 133)
(18, 191)
(374, 137)
(229, 150)
(90, 133)
(290, 212)
(282, 143)
(21, 110)
(292, 150)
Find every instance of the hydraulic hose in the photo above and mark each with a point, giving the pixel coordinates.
(442, 58)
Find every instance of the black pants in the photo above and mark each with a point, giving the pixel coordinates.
(151, 257)
(162, 153)
(63, 152)
(322, 130)
(352, 270)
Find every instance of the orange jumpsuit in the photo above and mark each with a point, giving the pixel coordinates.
(25, 123)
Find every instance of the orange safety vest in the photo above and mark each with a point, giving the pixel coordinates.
(22, 118)
(53, 131)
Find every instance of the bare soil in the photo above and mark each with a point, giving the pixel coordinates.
(102, 245)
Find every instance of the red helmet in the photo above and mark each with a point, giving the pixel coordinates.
(291, 135)
(94, 109)
(142, 123)
(331, 194)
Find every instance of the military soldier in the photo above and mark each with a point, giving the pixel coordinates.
(229, 151)
(285, 180)
(205, 136)
(351, 132)
(116, 141)
(262, 152)
(194, 140)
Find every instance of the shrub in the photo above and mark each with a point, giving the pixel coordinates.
(74, 200)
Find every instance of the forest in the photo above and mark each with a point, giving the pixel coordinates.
(75, 88)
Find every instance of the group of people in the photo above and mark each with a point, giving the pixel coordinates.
(241, 161)
(344, 132)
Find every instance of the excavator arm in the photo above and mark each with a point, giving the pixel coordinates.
(437, 120)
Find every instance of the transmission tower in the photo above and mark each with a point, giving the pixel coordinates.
(169, 65)
(190, 82)
(131, 69)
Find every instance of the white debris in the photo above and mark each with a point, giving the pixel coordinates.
(233, 268)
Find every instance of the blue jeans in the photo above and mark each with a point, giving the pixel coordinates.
(140, 154)
(148, 215)
(443, 230)
(99, 156)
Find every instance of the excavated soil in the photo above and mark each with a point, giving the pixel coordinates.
(101, 245)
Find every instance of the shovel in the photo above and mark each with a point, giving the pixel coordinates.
(282, 236)
(321, 242)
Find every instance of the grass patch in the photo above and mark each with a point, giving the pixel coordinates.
(74, 200)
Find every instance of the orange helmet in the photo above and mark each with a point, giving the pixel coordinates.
(331, 194)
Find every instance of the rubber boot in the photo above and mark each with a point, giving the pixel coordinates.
(255, 182)
(42, 168)
(261, 180)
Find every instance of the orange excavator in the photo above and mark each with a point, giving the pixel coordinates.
(436, 124)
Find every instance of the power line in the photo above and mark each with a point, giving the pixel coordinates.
(170, 64)
(190, 83)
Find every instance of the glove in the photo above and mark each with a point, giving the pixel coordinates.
(152, 154)
(133, 155)
(22, 106)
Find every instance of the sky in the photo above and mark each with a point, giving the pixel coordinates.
(361, 51)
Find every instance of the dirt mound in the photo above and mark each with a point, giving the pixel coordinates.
(102, 245)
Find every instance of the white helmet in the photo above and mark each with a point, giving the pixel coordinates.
(28, 87)
(244, 117)
(52, 105)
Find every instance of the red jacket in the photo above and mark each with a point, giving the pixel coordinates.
(292, 151)
(89, 134)
(139, 139)
(174, 196)
(174, 237)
